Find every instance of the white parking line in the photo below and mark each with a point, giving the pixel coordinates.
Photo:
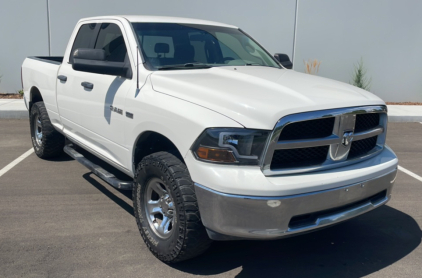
(31, 150)
(15, 162)
(419, 178)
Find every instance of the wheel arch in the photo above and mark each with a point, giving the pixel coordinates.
(34, 96)
(149, 142)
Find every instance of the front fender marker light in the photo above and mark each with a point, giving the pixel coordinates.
(217, 155)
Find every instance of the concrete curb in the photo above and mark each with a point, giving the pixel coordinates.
(404, 119)
(404, 113)
(13, 109)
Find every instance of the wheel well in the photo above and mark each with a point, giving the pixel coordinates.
(35, 96)
(151, 142)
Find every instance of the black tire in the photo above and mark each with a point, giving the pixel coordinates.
(188, 238)
(52, 142)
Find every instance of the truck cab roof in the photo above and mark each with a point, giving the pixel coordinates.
(159, 19)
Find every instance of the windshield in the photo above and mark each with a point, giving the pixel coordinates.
(176, 46)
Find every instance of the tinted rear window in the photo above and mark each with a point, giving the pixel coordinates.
(84, 38)
(110, 39)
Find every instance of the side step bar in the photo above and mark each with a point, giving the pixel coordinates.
(97, 170)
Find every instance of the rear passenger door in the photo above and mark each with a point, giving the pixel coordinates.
(96, 116)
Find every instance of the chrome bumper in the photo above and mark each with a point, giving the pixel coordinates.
(229, 217)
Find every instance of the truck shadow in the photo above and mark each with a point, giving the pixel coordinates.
(351, 249)
(355, 248)
(62, 158)
(128, 194)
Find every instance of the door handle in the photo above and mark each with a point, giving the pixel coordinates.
(87, 85)
(62, 78)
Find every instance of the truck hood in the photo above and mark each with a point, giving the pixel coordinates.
(257, 97)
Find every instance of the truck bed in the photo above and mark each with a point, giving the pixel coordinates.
(49, 59)
(41, 72)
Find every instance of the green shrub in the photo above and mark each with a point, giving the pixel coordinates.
(360, 79)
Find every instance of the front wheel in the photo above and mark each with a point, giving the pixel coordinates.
(46, 140)
(166, 209)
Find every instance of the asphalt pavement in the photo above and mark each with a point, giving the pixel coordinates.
(59, 220)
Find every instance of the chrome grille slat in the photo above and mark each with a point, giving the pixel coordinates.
(344, 123)
(333, 139)
(369, 133)
(307, 143)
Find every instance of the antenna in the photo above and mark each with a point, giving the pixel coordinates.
(137, 66)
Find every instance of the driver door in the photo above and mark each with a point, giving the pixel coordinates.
(94, 114)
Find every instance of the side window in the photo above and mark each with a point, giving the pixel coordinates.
(84, 38)
(110, 38)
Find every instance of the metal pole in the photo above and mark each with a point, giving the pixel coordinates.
(48, 29)
(294, 32)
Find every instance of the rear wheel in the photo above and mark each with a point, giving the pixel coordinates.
(166, 209)
(46, 140)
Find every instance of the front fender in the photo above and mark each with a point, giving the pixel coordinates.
(178, 120)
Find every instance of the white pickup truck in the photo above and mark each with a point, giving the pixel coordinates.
(223, 140)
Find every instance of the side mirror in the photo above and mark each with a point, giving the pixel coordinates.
(94, 60)
(89, 54)
(284, 60)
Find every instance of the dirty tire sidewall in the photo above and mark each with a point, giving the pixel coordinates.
(161, 245)
(189, 237)
(52, 141)
(35, 113)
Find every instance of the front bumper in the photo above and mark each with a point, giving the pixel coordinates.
(228, 216)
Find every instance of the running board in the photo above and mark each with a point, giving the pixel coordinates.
(97, 170)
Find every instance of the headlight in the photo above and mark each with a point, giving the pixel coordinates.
(231, 145)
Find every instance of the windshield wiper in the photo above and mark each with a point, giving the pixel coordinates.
(256, 64)
(186, 66)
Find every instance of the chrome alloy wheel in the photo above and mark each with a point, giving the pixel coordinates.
(38, 131)
(159, 207)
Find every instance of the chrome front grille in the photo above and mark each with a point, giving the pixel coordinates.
(362, 147)
(318, 128)
(366, 121)
(325, 139)
(290, 158)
